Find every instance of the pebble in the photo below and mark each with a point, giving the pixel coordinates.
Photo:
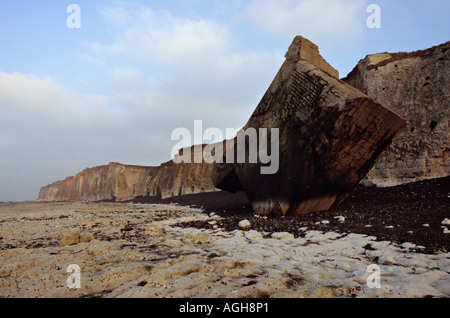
(244, 224)
(86, 238)
(408, 245)
(252, 234)
(281, 235)
(200, 238)
(154, 230)
(68, 238)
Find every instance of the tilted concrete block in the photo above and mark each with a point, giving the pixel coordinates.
(330, 136)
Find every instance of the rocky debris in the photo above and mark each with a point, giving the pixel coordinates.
(68, 238)
(330, 135)
(200, 238)
(281, 235)
(415, 86)
(416, 209)
(244, 224)
(86, 238)
(73, 237)
(154, 230)
(340, 218)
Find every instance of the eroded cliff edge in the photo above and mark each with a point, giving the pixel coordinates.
(415, 86)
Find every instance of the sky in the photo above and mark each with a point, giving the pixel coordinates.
(114, 88)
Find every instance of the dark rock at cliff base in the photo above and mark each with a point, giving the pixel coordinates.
(330, 136)
(412, 213)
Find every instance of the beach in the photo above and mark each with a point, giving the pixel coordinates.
(137, 250)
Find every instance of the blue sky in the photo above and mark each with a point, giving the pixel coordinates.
(115, 89)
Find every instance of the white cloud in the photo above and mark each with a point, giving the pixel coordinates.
(173, 70)
(322, 21)
(44, 101)
(156, 37)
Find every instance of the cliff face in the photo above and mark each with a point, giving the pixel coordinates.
(113, 181)
(124, 182)
(416, 87)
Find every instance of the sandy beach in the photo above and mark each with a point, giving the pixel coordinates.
(139, 250)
